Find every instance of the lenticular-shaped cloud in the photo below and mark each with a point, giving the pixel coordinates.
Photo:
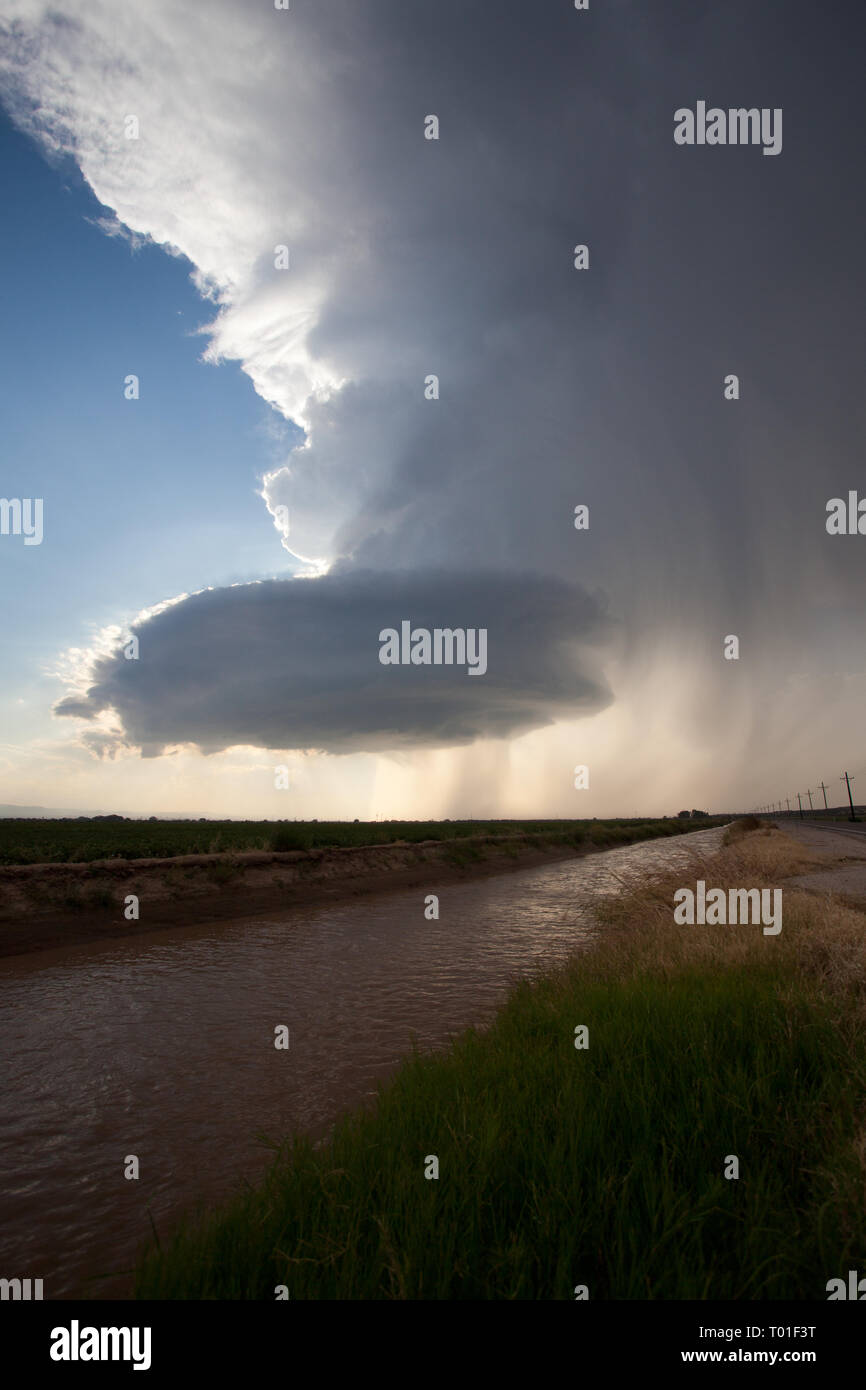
(294, 664)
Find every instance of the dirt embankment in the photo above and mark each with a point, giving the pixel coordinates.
(48, 905)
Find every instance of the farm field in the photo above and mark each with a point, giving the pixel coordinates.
(82, 841)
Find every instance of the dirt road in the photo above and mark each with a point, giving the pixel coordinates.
(845, 850)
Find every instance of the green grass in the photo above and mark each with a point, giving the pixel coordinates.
(81, 841)
(560, 1167)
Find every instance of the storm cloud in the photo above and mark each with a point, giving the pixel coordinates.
(557, 386)
(295, 664)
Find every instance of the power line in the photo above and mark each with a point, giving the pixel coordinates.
(846, 777)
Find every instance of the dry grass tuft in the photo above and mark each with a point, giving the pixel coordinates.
(822, 936)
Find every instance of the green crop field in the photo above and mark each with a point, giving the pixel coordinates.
(82, 841)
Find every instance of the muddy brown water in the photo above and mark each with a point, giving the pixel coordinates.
(162, 1046)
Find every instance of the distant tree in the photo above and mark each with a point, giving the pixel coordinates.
(683, 815)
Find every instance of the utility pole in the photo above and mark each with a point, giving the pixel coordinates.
(847, 781)
(788, 804)
(800, 804)
(809, 794)
(824, 790)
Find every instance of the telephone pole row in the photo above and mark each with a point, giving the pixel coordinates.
(846, 778)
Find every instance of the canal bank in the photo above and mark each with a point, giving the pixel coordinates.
(49, 906)
(674, 1114)
(162, 1045)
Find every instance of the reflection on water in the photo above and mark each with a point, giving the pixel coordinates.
(163, 1046)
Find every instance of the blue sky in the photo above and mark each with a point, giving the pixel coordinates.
(143, 499)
